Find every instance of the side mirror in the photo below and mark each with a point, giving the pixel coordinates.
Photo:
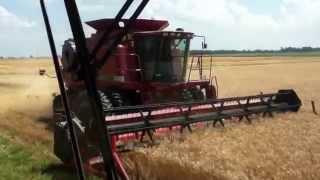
(204, 45)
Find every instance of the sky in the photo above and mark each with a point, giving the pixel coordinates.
(227, 24)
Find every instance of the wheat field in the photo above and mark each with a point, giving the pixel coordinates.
(285, 147)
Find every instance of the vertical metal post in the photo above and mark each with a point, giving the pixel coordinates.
(217, 86)
(89, 72)
(314, 108)
(191, 67)
(108, 31)
(74, 141)
(124, 31)
(210, 67)
(201, 67)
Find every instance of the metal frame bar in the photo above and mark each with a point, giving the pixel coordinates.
(210, 73)
(89, 71)
(90, 82)
(115, 24)
(191, 67)
(200, 67)
(147, 123)
(124, 31)
(217, 86)
(219, 111)
(66, 105)
(185, 123)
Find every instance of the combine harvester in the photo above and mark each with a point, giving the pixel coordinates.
(129, 80)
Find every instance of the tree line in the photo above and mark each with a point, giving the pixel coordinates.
(281, 50)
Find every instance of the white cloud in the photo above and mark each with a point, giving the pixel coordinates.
(16, 34)
(230, 23)
(9, 20)
(98, 6)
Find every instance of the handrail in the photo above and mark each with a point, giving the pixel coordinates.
(200, 66)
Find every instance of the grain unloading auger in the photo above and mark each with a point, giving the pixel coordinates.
(129, 80)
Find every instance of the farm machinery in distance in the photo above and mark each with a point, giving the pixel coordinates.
(131, 79)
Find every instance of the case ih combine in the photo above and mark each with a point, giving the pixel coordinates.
(131, 79)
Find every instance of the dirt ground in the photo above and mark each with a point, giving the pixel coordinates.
(289, 142)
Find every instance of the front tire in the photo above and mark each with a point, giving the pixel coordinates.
(83, 124)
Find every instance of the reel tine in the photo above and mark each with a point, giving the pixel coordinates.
(220, 121)
(185, 123)
(189, 128)
(241, 118)
(136, 135)
(271, 115)
(269, 106)
(268, 113)
(248, 119)
(264, 114)
(142, 136)
(208, 124)
(150, 135)
(214, 123)
(186, 126)
(147, 123)
(181, 129)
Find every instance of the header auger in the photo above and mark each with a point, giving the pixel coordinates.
(131, 79)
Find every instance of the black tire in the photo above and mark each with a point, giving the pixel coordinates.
(57, 108)
(62, 141)
(106, 103)
(186, 95)
(84, 126)
(197, 94)
(116, 99)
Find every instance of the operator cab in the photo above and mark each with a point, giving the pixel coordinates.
(163, 54)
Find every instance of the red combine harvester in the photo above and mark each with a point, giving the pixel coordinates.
(130, 79)
(149, 65)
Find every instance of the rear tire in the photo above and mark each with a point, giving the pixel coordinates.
(197, 94)
(116, 99)
(57, 108)
(187, 95)
(83, 124)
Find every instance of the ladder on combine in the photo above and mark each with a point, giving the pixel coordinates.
(197, 66)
